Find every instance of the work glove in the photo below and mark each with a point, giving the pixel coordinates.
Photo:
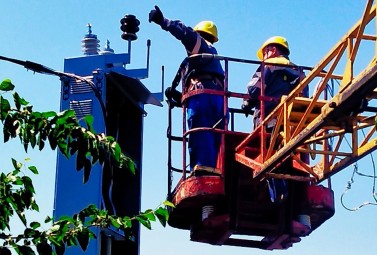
(174, 97)
(246, 107)
(156, 16)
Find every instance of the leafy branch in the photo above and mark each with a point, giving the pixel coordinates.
(62, 131)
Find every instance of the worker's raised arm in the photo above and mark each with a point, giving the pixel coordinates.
(177, 28)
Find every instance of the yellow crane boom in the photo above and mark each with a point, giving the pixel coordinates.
(307, 124)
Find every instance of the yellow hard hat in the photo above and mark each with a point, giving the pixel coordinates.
(273, 40)
(208, 27)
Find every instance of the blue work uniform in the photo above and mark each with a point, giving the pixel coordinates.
(277, 81)
(203, 110)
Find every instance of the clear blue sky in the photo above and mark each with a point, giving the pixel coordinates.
(49, 31)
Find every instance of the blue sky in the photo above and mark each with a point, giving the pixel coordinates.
(49, 31)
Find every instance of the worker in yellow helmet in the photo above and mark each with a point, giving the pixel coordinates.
(277, 80)
(203, 110)
(277, 41)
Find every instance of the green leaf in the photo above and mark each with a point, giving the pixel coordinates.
(29, 233)
(94, 151)
(89, 119)
(35, 225)
(49, 114)
(35, 207)
(41, 143)
(63, 147)
(127, 222)
(22, 217)
(44, 248)
(52, 141)
(25, 250)
(27, 198)
(80, 160)
(90, 210)
(149, 215)
(65, 219)
(59, 249)
(5, 108)
(39, 124)
(33, 169)
(70, 240)
(16, 164)
(116, 222)
(48, 219)
(6, 135)
(146, 223)
(87, 170)
(168, 203)
(36, 115)
(117, 151)
(83, 238)
(131, 166)
(32, 137)
(162, 215)
(6, 85)
(65, 115)
(28, 183)
(19, 101)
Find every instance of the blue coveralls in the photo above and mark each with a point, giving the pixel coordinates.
(203, 110)
(278, 81)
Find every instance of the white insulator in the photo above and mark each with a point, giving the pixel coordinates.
(90, 46)
(107, 49)
(90, 43)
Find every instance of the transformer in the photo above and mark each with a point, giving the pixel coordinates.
(117, 104)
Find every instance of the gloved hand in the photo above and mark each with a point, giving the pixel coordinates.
(174, 97)
(156, 16)
(246, 107)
